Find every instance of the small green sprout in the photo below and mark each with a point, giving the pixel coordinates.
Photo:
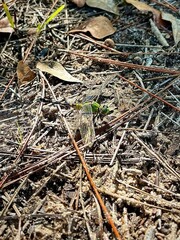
(50, 18)
(10, 19)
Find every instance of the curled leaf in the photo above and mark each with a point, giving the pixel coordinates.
(107, 5)
(24, 73)
(5, 26)
(79, 3)
(175, 25)
(99, 27)
(145, 7)
(57, 70)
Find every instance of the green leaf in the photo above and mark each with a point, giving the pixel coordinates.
(10, 19)
(51, 17)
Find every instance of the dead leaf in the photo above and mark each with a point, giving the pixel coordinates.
(24, 73)
(107, 5)
(99, 27)
(5, 26)
(175, 25)
(32, 31)
(79, 3)
(57, 70)
(155, 30)
(145, 7)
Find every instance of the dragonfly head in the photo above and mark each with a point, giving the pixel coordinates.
(105, 110)
(96, 107)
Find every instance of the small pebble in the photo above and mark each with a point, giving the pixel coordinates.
(109, 43)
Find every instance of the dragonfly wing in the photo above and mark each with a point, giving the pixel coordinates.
(86, 126)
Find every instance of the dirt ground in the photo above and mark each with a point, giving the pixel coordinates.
(133, 158)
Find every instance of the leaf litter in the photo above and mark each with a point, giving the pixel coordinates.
(45, 190)
(175, 25)
(24, 73)
(99, 27)
(142, 6)
(106, 5)
(160, 18)
(5, 26)
(57, 70)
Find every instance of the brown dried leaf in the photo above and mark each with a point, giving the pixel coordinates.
(145, 7)
(79, 3)
(99, 27)
(175, 25)
(5, 26)
(57, 70)
(107, 5)
(32, 31)
(24, 73)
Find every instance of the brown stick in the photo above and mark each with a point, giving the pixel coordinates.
(126, 64)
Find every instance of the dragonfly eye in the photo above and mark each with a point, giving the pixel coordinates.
(105, 110)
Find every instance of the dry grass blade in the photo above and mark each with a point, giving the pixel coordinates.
(13, 197)
(159, 204)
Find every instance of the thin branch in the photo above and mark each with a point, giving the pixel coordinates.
(126, 64)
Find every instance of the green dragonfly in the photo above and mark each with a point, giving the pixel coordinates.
(86, 125)
(86, 115)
